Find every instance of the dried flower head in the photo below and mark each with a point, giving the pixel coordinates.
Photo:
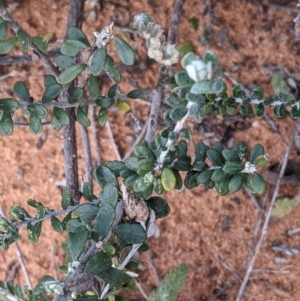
(136, 208)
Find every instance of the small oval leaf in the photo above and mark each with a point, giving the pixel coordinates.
(159, 205)
(125, 52)
(82, 117)
(131, 233)
(7, 45)
(51, 93)
(70, 73)
(61, 116)
(71, 47)
(35, 125)
(21, 91)
(168, 179)
(98, 61)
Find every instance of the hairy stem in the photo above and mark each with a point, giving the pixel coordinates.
(15, 26)
(264, 230)
(69, 134)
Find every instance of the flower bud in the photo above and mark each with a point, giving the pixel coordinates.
(3, 223)
(197, 70)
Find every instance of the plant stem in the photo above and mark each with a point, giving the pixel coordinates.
(69, 134)
(157, 93)
(9, 60)
(175, 19)
(264, 230)
(15, 26)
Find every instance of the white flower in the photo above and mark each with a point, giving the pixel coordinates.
(197, 70)
(154, 43)
(155, 54)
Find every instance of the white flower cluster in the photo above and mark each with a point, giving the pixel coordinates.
(53, 287)
(158, 49)
(196, 69)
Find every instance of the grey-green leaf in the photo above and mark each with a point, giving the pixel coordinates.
(77, 241)
(64, 61)
(109, 195)
(75, 94)
(51, 93)
(111, 69)
(258, 183)
(35, 125)
(104, 220)
(114, 277)
(76, 34)
(82, 117)
(183, 80)
(34, 232)
(98, 61)
(40, 43)
(22, 40)
(93, 87)
(105, 102)
(215, 157)
(66, 198)
(235, 183)
(135, 94)
(3, 30)
(131, 233)
(233, 168)
(8, 105)
(208, 86)
(102, 116)
(71, 47)
(49, 80)
(125, 52)
(56, 124)
(21, 91)
(6, 124)
(87, 191)
(257, 150)
(38, 110)
(99, 263)
(159, 205)
(70, 73)
(56, 224)
(61, 116)
(7, 45)
(104, 175)
(87, 211)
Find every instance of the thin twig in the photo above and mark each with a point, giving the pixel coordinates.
(227, 267)
(9, 60)
(260, 215)
(69, 134)
(112, 140)
(54, 266)
(137, 141)
(95, 134)
(88, 255)
(20, 258)
(254, 200)
(140, 288)
(15, 26)
(286, 8)
(175, 19)
(268, 216)
(154, 271)
(22, 264)
(157, 93)
(87, 155)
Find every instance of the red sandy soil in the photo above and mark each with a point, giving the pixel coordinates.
(249, 37)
